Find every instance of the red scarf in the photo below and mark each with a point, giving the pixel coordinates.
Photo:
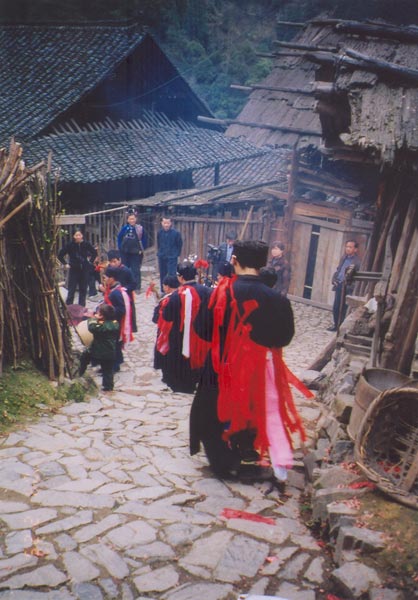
(198, 348)
(164, 327)
(125, 327)
(241, 374)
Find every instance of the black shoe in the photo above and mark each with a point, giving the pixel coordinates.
(252, 473)
(332, 328)
(250, 456)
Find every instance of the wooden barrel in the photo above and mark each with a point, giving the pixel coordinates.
(85, 336)
(371, 383)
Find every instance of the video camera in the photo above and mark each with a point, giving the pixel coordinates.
(214, 254)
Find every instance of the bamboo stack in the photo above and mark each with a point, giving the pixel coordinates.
(32, 315)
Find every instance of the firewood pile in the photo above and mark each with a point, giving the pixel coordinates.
(32, 315)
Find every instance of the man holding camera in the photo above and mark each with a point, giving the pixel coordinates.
(224, 252)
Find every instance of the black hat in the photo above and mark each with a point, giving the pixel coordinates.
(186, 270)
(113, 254)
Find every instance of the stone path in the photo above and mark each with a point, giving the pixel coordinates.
(103, 501)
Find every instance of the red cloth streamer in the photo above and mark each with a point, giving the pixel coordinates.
(150, 289)
(232, 513)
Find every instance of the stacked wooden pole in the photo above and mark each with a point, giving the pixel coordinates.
(32, 315)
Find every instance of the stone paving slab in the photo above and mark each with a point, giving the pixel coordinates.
(102, 499)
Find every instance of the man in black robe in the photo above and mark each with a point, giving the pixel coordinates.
(268, 324)
(183, 362)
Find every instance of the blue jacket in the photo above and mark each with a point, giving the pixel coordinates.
(169, 243)
(140, 232)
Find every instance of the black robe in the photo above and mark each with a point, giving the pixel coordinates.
(272, 326)
(176, 369)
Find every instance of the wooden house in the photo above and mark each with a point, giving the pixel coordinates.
(114, 111)
(359, 82)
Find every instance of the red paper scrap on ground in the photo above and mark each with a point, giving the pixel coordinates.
(356, 485)
(232, 513)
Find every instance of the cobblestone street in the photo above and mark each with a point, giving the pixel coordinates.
(103, 501)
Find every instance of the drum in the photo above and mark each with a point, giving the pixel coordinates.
(84, 334)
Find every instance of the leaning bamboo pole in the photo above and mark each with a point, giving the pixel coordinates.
(36, 321)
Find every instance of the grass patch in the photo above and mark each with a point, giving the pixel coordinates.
(399, 559)
(25, 393)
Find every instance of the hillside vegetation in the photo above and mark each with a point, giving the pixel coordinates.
(213, 42)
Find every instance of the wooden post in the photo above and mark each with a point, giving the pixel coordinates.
(247, 220)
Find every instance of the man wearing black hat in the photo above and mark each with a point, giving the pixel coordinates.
(186, 352)
(243, 407)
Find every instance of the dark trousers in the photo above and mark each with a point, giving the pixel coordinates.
(166, 266)
(134, 263)
(339, 308)
(119, 356)
(107, 366)
(77, 278)
(107, 374)
(94, 276)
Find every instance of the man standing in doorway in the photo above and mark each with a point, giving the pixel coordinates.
(351, 261)
(169, 245)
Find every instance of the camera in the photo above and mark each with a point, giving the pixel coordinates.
(213, 254)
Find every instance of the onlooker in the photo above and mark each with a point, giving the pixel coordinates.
(126, 279)
(282, 268)
(79, 253)
(225, 251)
(169, 245)
(132, 241)
(105, 330)
(117, 296)
(351, 261)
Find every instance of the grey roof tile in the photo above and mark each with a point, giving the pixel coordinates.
(136, 149)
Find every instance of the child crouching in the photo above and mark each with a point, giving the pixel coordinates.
(105, 330)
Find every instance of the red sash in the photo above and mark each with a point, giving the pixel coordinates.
(198, 348)
(241, 375)
(164, 328)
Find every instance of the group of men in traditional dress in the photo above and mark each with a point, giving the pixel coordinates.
(224, 345)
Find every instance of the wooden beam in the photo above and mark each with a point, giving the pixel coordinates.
(276, 193)
(289, 90)
(383, 65)
(226, 122)
(306, 47)
(70, 219)
(363, 61)
(291, 24)
(403, 34)
(294, 54)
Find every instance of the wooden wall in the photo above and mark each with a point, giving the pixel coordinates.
(332, 226)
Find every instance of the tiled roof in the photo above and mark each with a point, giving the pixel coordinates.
(272, 165)
(383, 105)
(46, 69)
(148, 147)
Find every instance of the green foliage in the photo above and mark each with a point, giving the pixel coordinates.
(214, 42)
(25, 393)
